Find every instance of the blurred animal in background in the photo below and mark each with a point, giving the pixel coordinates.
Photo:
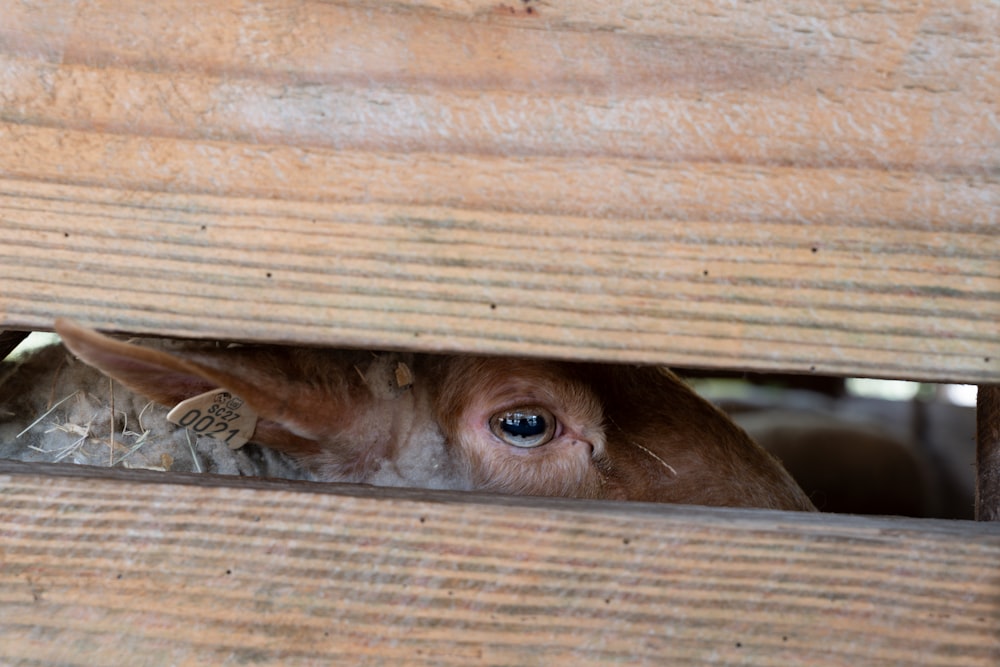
(910, 452)
(846, 467)
(498, 424)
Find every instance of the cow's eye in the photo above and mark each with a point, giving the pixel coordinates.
(524, 427)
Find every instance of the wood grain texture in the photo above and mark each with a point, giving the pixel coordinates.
(803, 186)
(988, 453)
(114, 569)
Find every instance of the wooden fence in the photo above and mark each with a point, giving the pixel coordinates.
(805, 186)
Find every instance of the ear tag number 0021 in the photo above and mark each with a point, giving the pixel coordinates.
(217, 414)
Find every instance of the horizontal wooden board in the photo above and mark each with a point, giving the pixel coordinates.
(804, 186)
(124, 568)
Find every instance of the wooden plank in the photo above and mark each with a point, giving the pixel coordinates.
(988, 453)
(801, 186)
(124, 568)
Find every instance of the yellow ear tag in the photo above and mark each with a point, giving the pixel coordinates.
(217, 414)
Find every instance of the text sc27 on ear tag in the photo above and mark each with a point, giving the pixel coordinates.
(217, 414)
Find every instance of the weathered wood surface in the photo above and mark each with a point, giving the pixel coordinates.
(803, 186)
(108, 571)
(988, 453)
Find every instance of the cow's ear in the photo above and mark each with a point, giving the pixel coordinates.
(287, 410)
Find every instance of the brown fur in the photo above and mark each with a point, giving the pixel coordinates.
(635, 433)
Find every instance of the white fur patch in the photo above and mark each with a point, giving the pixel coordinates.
(81, 429)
